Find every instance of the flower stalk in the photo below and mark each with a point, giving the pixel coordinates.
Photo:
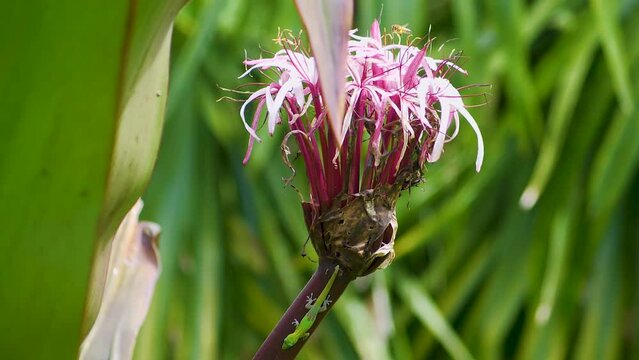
(400, 108)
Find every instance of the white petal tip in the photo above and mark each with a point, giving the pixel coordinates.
(480, 161)
(529, 198)
(253, 135)
(433, 158)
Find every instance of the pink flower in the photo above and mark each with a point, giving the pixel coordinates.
(400, 107)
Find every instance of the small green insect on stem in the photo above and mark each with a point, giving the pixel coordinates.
(301, 331)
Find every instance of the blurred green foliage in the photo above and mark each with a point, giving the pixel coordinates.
(536, 257)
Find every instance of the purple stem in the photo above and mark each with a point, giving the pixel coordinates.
(272, 346)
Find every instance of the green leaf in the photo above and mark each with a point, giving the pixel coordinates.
(563, 105)
(497, 305)
(431, 317)
(605, 14)
(82, 114)
(206, 302)
(615, 164)
(189, 60)
(600, 331)
(618, 157)
(361, 328)
(518, 77)
(460, 291)
(171, 192)
(555, 265)
(546, 331)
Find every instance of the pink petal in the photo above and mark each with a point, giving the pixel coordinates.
(349, 115)
(256, 119)
(480, 140)
(253, 96)
(444, 121)
(273, 112)
(375, 32)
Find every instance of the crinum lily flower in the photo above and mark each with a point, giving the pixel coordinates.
(400, 107)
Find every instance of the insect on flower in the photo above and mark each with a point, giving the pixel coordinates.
(400, 29)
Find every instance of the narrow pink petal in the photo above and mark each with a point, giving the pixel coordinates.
(451, 64)
(256, 119)
(454, 135)
(304, 108)
(375, 140)
(405, 119)
(422, 100)
(429, 66)
(480, 140)
(298, 91)
(273, 112)
(362, 41)
(253, 96)
(407, 131)
(279, 100)
(444, 121)
(349, 115)
(410, 76)
(374, 95)
(375, 32)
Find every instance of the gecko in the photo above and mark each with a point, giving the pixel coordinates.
(301, 331)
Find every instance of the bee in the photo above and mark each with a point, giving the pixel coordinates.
(400, 30)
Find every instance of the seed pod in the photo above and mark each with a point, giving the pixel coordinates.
(359, 231)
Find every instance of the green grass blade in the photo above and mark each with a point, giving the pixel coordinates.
(605, 14)
(171, 191)
(559, 243)
(618, 157)
(188, 62)
(601, 331)
(361, 328)
(563, 106)
(431, 317)
(207, 304)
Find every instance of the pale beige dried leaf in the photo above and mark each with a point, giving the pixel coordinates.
(133, 270)
(327, 23)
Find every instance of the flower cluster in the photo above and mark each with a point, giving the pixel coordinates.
(400, 107)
